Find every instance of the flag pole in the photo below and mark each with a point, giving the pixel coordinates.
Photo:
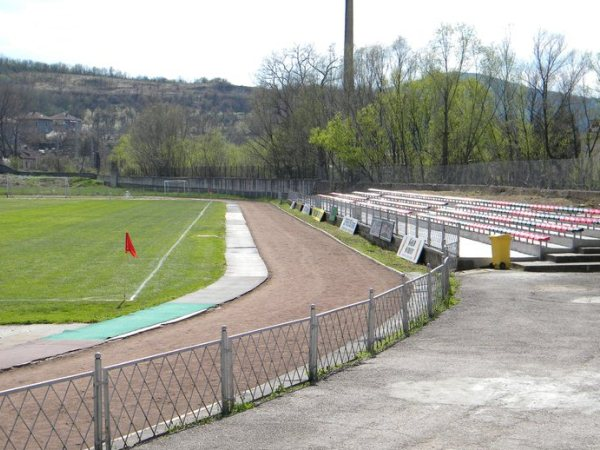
(129, 248)
(125, 270)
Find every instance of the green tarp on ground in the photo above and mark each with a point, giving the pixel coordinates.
(131, 322)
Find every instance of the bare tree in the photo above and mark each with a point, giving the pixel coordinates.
(157, 140)
(297, 92)
(13, 101)
(451, 56)
(592, 113)
(553, 77)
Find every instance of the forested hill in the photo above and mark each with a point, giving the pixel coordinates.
(54, 88)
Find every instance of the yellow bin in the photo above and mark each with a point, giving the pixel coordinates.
(501, 250)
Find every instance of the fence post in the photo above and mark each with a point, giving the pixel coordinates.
(430, 305)
(443, 236)
(429, 231)
(371, 324)
(98, 401)
(313, 375)
(446, 277)
(458, 241)
(107, 433)
(404, 305)
(226, 373)
(416, 226)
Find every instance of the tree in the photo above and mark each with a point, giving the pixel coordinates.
(157, 137)
(452, 51)
(297, 92)
(554, 74)
(591, 110)
(13, 101)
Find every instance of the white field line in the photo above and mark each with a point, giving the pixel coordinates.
(162, 260)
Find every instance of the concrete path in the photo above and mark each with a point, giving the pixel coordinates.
(515, 365)
(245, 271)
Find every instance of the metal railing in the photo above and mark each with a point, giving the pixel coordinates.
(438, 235)
(53, 414)
(124, 404)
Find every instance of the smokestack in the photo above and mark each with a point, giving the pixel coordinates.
(349, 47)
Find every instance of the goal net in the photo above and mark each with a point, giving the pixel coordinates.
(34, 185)
(175, 186)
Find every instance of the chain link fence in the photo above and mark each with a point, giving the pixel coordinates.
(582, 173)
(124, 404)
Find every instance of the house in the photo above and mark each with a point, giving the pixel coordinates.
(38, 131)
(35, 123)
(65, 122)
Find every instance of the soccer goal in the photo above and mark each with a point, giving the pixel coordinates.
(175, 186)
(34, 185)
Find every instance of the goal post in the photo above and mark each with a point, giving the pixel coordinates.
(171, 186)
(34, 185)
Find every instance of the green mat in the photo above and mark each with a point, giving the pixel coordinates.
(131, 322)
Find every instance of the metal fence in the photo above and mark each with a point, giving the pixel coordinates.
(435, 234)
(248, 187)
(581, 173)
(124, 404)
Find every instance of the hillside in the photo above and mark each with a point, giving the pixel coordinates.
(90, 94)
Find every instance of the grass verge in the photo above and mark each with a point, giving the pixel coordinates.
(386, 257)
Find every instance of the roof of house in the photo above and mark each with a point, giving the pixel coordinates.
(65, 116)
(34, 116)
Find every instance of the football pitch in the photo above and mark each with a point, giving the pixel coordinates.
(64, 260)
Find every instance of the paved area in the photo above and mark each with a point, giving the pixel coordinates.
(515, 365)
(245, 271)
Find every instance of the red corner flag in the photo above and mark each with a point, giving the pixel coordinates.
(129, 248)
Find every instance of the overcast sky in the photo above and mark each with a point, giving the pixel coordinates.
(230, 38)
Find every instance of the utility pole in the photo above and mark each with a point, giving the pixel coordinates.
(349, 48)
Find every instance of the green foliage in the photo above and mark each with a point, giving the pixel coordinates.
(241, 407)
(68, 264)
(180, 154)
(339, 138)
(122, 155)
(404, 125)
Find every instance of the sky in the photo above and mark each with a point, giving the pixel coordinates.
(192, 39)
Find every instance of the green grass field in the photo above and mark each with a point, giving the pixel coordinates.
(63, 260)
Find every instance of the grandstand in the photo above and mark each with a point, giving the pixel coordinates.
(538, 231)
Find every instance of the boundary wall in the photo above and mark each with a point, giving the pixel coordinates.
(247, 187)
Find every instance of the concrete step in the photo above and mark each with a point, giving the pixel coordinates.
(589, 250)
(573, 257)
(549, 266)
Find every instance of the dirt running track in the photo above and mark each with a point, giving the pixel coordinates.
(305, 267)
